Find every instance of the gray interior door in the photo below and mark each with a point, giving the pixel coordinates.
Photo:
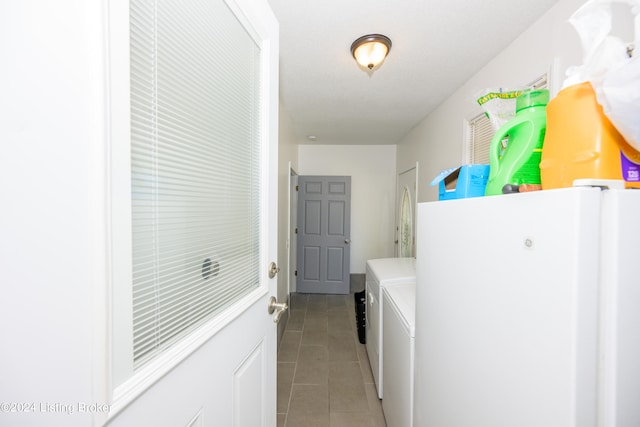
(324, 233)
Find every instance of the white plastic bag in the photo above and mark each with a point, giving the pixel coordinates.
(619, 95)
(614, 75)
(499, 104)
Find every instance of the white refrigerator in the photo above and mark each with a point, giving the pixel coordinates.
(528, 310)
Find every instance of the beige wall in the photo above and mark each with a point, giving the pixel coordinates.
(437, 142)
(373, 178)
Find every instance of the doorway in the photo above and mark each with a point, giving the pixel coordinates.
(406, 200)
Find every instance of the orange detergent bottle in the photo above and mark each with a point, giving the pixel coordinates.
(582, 143)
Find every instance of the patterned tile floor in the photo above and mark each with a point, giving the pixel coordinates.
(324, 377)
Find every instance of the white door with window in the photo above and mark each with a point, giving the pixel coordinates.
(193, 96)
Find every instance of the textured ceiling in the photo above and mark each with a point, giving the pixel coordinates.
(437, 46)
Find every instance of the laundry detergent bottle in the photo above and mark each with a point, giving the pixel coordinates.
(516, 149)
(581, 142)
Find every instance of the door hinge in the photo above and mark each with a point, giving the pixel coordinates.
(296, 230)
(295, 273)
(297, 188)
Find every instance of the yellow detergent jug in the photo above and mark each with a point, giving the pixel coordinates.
(582, 143)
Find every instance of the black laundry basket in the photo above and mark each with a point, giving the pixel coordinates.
(361, 305)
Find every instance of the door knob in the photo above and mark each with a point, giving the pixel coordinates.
(347, 241)
(273, 270)
(278, 307)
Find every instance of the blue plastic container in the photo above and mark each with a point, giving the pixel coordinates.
(462, 182)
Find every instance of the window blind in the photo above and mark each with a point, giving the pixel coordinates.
(196, 167)
(480, 133)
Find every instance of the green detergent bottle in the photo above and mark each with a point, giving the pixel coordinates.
(518, 162)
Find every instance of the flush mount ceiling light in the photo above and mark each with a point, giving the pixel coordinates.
(371, 50)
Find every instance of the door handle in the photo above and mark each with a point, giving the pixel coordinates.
(278, 307)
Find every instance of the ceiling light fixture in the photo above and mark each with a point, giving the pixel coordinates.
(371, 50)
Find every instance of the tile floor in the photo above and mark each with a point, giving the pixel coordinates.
(324, 377)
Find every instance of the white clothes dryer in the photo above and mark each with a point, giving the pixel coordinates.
(399, 333)
(381, 273)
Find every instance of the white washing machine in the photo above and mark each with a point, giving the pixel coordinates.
(381, 273)
(399, 333)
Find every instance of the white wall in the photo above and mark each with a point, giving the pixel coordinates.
(52, 209)
(373, 186)
(550, 43)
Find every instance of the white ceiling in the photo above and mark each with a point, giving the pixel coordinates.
(437, 46)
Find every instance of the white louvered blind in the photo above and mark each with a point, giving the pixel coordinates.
(196, 167)
(480, 132)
